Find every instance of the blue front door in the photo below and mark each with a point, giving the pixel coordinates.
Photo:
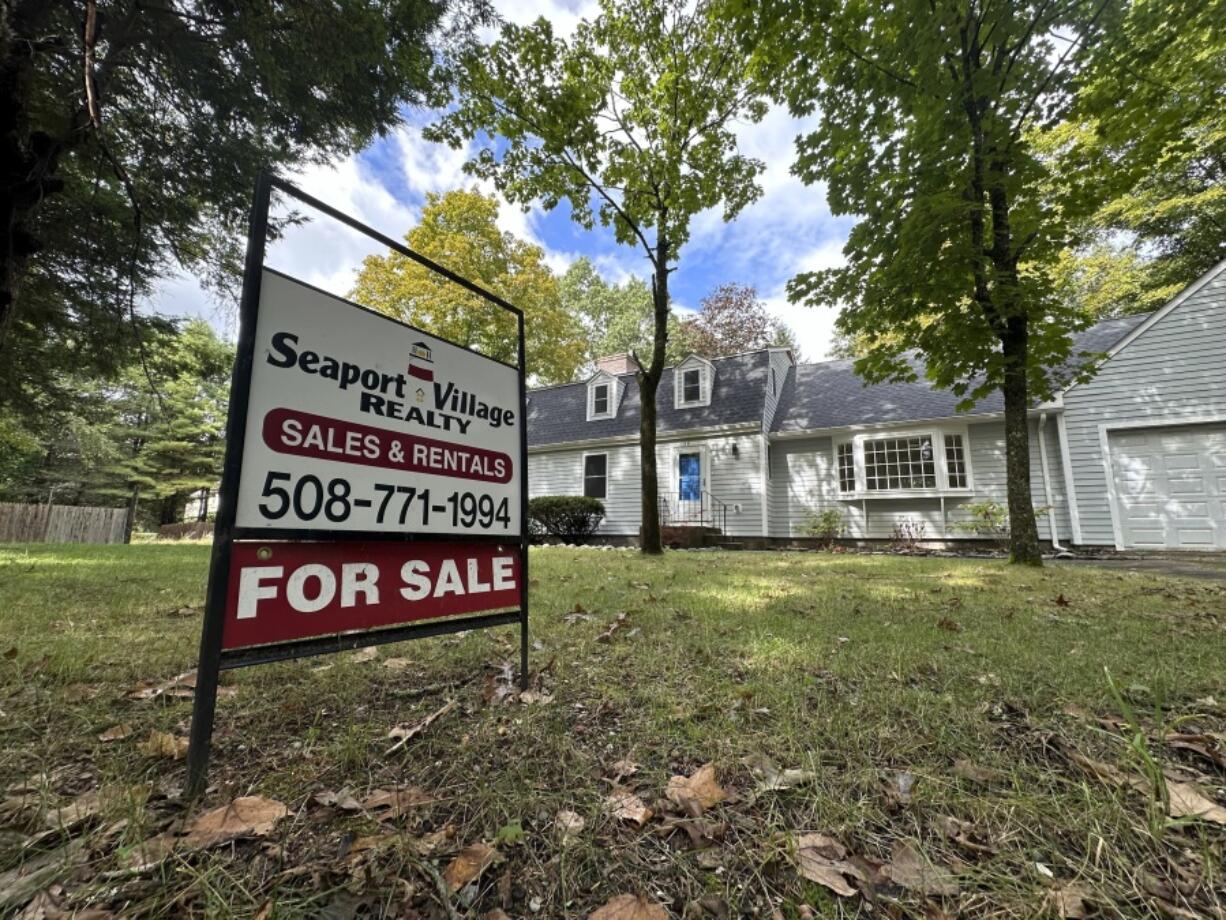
(689, 470)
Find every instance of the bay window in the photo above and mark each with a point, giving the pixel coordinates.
(901, 463)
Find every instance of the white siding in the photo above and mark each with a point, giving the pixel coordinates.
(736, 481)
(1174, 372)
(803, 483)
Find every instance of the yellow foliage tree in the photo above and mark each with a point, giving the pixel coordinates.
(459, 231)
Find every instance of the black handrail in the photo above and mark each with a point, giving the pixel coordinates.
(704, 511)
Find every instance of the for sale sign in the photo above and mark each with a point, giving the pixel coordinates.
(375, 480)
(359, 423)
(280, 592)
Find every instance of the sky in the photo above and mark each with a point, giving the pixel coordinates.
(788, 230)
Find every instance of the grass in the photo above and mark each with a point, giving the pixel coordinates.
(860, 669)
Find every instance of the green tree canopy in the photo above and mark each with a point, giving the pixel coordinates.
(1149, 125)
(131, 136)
(630, 123)
(459, 230)
(927, 118)
(121, 440)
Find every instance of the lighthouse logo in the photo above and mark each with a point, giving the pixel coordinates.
(421, 361)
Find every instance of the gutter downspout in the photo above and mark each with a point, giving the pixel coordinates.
(1051, 520)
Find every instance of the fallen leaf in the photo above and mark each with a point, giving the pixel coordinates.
(1069, 901)
(342, 799)
(622, 621)
(1205, 746)
(696, 792)
(823, 859)
(771, 777)
(963, 833)
(366, 653)
(569, 824)
(394, 803)
(246, 816)
(899, 787)
(623, 768)
(976, 774)
(164, 744)
(406, 733)
(949, 625)
(1186, 801)
(181, 686)
(624, 805)
(1062, 601)
(699, 833)
(433, 842)
(397, 664)
(908, 868)
(529, 697)
(84, 807)
(469, 864)
(629, 907)
(117, 732)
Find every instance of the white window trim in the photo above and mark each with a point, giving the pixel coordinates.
(937, 434)
(706, 382)
(608, 477)
(602, 381)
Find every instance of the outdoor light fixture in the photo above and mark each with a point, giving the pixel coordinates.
(736, 451)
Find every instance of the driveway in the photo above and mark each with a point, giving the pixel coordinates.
(1210, 568)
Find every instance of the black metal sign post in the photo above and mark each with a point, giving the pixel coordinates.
(213, 659)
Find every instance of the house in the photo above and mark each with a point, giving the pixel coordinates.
(756, 444)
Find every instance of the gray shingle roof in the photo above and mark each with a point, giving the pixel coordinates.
(738, 396)
(813, 396)
(831, 395)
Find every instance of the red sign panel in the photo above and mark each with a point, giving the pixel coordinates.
(280, 592)
(304, 434)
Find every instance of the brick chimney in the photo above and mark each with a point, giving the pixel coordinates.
(617, 364)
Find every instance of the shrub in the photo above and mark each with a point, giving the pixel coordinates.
(990, 519)
(907, 536)
(569, 518)
(827, 526)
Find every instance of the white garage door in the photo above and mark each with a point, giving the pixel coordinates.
(1170, 486)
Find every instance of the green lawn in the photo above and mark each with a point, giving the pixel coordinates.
(911, 691)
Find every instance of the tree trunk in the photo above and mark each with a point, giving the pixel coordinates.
(1023, 529)
(130, 523)
(649, 385)
(170, 509)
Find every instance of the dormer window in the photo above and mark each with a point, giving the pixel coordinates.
(603, 395)
(692, 383)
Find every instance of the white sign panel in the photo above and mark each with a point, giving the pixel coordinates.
(356, 422)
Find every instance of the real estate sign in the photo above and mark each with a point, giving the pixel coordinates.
(375, 480)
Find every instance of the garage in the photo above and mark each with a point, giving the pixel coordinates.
(1170, 487)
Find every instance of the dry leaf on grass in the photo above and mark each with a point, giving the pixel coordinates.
(1186, 801)
(697, 792)
(974, 773)
(406, 733)
(908, 867)
(246, 816)
(366, 653)
(182, 686)
(386, 804)
(1205, 746)
(528, 697)
(623, 768)
(699, 833)
(899, 786)
(629, 907)
(397, 664)
(964, 834)
(1069, 901)
(469, 864)
(621, 621)
(624, 805)
(569, 824)
(342, 799)
(164, 744)
(117, 732)
(772, 778)
(84, 807)
(823, 859)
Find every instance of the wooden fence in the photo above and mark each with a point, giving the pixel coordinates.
(62, 524)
